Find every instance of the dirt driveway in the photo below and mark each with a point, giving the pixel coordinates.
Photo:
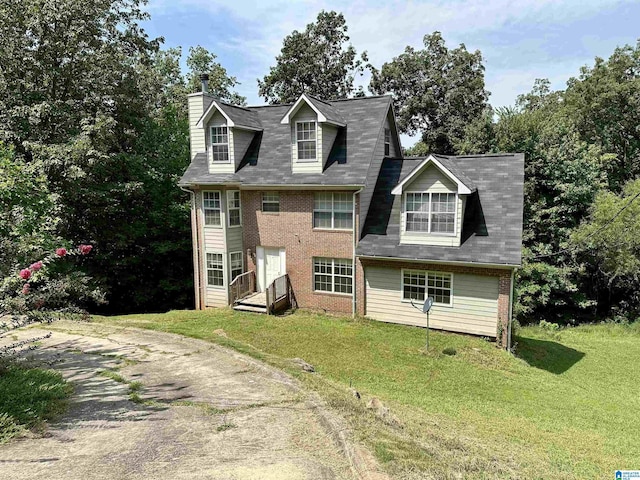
(199, 411)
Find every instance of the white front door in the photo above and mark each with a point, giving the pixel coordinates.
(271, 265)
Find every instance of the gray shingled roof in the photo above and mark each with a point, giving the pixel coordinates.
(241, 116)
(492, 225)
(330, 112)
(268, 159)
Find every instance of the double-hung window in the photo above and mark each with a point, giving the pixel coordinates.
(333, 275)
(235, 263)
(387, 142)
(215, 269)
(430, 212)
(306, 141)
(233, 205)
(211, 207)
(333, 211)
(220, 144)
(271, 202)
(418, 285)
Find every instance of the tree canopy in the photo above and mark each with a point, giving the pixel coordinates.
(437, 91)
(318, 61)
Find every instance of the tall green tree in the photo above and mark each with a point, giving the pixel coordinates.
(97, 111)
(437, 91)
(318, 61)
(604, 103)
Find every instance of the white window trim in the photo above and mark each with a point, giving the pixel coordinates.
(239, 208)
(306, 160)
(332, 211)
(204, 216)
(333, 275)
(426, 286)
(231, 264)
(262, 202)
(211, 127)
(430, 233)
(206, 270)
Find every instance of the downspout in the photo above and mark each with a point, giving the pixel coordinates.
(196, 247)
(356, 231)
(513, 274)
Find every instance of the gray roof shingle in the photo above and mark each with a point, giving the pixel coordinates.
(268, 159)
(492, 224)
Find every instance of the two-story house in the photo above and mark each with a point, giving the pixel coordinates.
(318, 192)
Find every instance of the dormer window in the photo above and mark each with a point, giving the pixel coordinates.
(306, 140)
(220, 144)
(430, 213)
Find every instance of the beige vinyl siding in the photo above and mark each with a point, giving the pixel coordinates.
(218, 167)
(213, 239)
(329, 134)
(374, 170)
(305, 113)
(197, 105)
(241, 141)
(474, 303)
(432, 180)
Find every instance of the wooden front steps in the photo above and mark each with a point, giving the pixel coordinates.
(256, 303)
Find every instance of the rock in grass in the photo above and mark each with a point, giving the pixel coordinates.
(355, 393)
(307, 367)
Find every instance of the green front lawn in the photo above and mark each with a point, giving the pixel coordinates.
(566, 407)
(29, 397)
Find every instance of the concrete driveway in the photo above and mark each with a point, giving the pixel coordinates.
(203, 412)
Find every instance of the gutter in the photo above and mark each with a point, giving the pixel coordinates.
(356, 229)
(196, 248)
(440, 262)
(275, 186)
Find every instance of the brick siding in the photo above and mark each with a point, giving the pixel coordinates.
(292, 229)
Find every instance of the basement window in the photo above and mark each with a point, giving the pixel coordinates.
(215, 270)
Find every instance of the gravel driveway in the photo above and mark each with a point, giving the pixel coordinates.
(201, 411)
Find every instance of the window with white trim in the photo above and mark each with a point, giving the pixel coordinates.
(215, 269)
(233, 205)
(236, 264)
(271, 202)
(333, 275)
(387, 142)
(430, 212)
(220, 144)
(333, 211)
(306, 141)
(419, 284)
(211, 208)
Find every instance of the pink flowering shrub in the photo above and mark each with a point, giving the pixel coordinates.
(61, 252)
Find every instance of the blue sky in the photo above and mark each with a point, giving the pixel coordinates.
(521, 40)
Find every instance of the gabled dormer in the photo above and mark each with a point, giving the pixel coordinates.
(229, 130)
(314, 127)
(434, 196)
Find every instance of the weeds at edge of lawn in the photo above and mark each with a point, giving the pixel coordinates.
(28, 398)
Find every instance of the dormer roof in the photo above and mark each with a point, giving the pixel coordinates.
(325, 111)
(448, 167)
(236, 116)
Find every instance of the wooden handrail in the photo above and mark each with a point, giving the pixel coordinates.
(279, 295)
(241, 286)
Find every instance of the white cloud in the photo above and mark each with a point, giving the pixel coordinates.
(383, 29)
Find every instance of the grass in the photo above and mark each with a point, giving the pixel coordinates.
(565, 407)
(28, 398)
